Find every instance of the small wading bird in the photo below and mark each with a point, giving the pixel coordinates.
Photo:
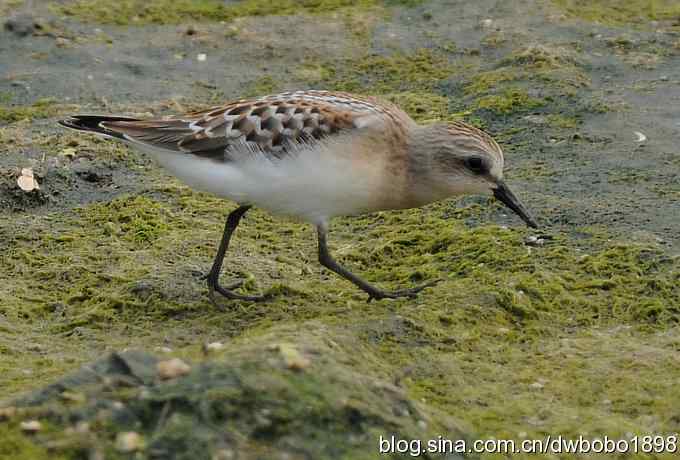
(315, 155)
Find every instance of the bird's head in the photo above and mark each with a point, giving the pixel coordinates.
(465, 160)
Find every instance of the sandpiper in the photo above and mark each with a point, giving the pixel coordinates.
(315, 155)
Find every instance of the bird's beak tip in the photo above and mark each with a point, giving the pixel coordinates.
(505, 195)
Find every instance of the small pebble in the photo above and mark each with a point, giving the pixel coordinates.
(129, 441)
(202, 57)
(292, 358)
(172, 368)
(224, 454)
(163, 349)
(534, 241)
(31, 426)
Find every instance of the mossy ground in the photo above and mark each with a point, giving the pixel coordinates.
(571, 330)
(136, 12)
(621, 13)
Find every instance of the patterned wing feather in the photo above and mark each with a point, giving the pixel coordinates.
(270, 123)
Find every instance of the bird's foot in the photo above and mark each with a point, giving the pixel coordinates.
(228, 292)
(410, 293)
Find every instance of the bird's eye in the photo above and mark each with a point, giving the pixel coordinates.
(475, 164)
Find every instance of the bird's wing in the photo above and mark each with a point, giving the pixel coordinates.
(270, 124)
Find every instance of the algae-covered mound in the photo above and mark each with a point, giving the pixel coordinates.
(293, 393)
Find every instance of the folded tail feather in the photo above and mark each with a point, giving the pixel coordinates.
(93, 124)
(163, 134)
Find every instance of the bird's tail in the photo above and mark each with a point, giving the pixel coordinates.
(93, 124)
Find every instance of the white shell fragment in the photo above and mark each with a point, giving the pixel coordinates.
(129, 441)
(172, 368)
(639, 137)
(214, 346)
(26, 181)
(31, 426)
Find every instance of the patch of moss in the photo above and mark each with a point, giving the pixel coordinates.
(509, 101)
(378, 74)
(16, 445)
(127, 273)
(562, 121)
(263, 85)
(615, 12)
(421, 106)
(42, 108)
(289, 390)
(138, 12)
(409, 80)
(488, 81)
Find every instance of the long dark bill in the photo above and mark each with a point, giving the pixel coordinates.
(503, 194)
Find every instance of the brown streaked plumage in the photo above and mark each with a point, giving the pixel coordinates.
(315, 155)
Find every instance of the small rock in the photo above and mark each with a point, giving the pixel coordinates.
(214, 346)
(82, 427)
(172, 368)
(31, 426)
(117, 405)
(292, 358)
(201, 57)
(62, 42)
(68, 152)
(163, 349)
(486, 23)
(534, 241)
(21, 25)
(639, 137)
(224, 454)
(536, 119)
(129, 441)
(73, 396)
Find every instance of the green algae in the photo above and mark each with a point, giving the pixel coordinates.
(614, 12)
(263, 85)
(562, 121)
(420, 70)
(571, 333)
(410, 80)
(127, 266)
(511, 100)
(20, 446)
(136, 12)
(42, 108)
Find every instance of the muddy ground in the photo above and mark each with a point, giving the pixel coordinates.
(568, 330)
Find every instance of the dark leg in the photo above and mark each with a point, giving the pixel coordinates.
(214, 276)
(373, 292)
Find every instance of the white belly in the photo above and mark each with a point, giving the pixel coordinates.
(313, 184)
